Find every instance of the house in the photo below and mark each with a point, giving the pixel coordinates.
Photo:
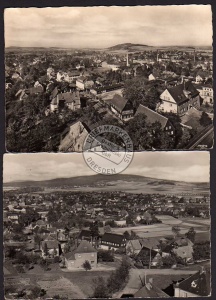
(121, 107)
(133, 247)
(21, 95)
(183, 248)
(150, 290)
(152, 117)
(72, 75)
(14, 217)
(150, 243)
(69, 99)
(206, 93)
(148, 257)
(84, 252)
(153, 75)
(202, 76)
(83, 83)
(197, 285)
(36, 90)
(180, 98)
(50, 73)
(121, 222)
(62, 76)
(85, 235)
(75, 138)
(52, 246)
(114, 241)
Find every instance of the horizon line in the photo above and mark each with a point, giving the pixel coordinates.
(34, 180)
(65, 47)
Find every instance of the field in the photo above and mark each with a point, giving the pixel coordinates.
(165, 229)
(77, 284)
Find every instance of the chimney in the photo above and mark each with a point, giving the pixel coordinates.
(127, 60)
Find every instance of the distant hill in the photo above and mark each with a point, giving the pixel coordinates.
(129, 47)
(118, 182)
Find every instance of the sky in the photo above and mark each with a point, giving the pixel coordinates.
(179, 165)
(101, 27)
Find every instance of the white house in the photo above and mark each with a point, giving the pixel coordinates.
(180, 98)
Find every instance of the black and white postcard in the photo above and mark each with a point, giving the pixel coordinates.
(71, 232)
(144, 69)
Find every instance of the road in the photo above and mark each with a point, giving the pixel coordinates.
(205, 137)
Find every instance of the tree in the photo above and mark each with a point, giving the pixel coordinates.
(94, 229)
(205, 120)
(191, 234)
(107, 228)
(129, 220)
(100, 288)
(52, 216)
(54, 252)
(104, 255)
(86, 265)
(46, 251)
(118, 277)
(201, 250)
(176, 230)
(37, 240)
(176, 122)
(134, 91)
(168, 261)
(185, 138)
(126, 235)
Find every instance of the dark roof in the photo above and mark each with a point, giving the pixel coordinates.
(84, 233)
(146, 250)
(54, 93)
(202, 73)
(151, 116)
(150, 290)
(85, 247)
(70, 256)
(50, 244)
(181, 92)
(35, 90)
(70, 97)
(198, 283)
(118, 101)
(113, 238)
(74, 73)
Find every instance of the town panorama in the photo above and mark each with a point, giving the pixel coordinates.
(161, 96)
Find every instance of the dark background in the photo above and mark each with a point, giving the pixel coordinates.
(59, 3)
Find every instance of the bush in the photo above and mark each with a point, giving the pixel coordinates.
(205, 120)
(56, 259)
(118, 277)
(104, 255)
(120, 251)
(100, 288)
(168, 261)
(201, 250)
(86, 265)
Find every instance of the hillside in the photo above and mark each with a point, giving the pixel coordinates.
(128, 46)
(119, 182)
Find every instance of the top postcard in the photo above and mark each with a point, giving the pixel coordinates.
(108, 78)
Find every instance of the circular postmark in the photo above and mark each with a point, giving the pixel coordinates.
(104, 156)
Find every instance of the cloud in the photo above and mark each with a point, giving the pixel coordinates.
(181, 166)
(153, 25)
